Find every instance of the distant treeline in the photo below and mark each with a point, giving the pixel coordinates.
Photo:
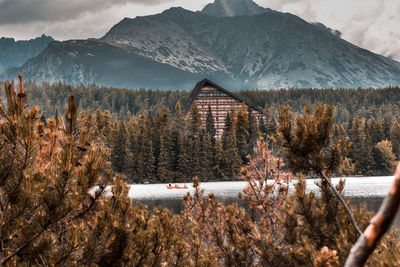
(145, 132)
(124, 103)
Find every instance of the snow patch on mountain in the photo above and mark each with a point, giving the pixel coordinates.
(163, 41)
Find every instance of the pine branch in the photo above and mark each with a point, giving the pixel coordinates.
(367, 242)
(344, 204)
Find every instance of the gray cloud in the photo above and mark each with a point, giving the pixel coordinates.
(27, 11)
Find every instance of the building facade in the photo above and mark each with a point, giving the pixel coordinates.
(221, 101)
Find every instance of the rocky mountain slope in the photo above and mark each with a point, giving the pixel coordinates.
(250, 47)
(232, 8)
(16, 53)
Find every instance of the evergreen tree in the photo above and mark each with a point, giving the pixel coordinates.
(181, 146)
(119, 151)
(231, 161)
(254, 132)
(357, 148)
(385, 159)
(195, 121)
(368, 165)
(210, 125)
(145, 156)
(165, 167)
(395, 138)
(242, 134)
(207, 158)
(219, 161)
(133, 150)
(161, 126)
(271, 124)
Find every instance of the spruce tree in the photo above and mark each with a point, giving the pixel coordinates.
(254, 131)
(242, 134)
(180, 143)
(385, 159)
(357, 151)
(119, 152)
(210, 125)
(195, 121)
(231, 160)
(208, 158)
(145, 156)
(395, 138)
(133, 150)
(165, 167)
(270, 122)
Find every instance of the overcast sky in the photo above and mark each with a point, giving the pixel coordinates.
(371, 24)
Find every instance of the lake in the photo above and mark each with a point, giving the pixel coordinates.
(370, 190)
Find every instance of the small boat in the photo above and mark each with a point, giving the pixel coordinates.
(177, 187)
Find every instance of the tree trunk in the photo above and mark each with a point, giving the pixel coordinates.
(377, 228)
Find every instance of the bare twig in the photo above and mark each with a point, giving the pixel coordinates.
(378, 226)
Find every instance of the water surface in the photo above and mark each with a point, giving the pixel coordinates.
(370, 190)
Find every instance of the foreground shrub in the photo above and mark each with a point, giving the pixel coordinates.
(53, 210)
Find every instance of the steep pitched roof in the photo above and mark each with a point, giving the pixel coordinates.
(204, 83)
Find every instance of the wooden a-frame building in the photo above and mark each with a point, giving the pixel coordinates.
(206, 93)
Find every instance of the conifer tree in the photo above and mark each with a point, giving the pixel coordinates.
(369, 151)
(395, 138)
(119, 152)
(162, 125)
(195, 121)
(165, 167)
(385, 159)
(231, 160)
(196, 161)
(270, 122)
(254, 132)
(242, 134)
(306, 143)
(357, 148)
(145, 155)
(207, 158)
(180, 145)
(46, 175)
(133, 150)
(210, 125)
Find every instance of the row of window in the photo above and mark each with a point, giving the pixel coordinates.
(215, 113)
(213, 107)
(215, 101)
(212, 94)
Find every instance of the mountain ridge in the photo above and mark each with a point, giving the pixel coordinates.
(266, 50)
(232, 8)
(15, 53)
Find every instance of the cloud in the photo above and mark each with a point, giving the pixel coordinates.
(28, 11)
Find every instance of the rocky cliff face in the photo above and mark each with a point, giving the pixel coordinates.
(243, 49)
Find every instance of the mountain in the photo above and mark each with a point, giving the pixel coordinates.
(16, 53)
(232, 8)
(93, 61)
(174, 49)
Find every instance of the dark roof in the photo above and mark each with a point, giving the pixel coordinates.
(206, 82)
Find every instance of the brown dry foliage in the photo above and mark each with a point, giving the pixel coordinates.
(53, 210)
